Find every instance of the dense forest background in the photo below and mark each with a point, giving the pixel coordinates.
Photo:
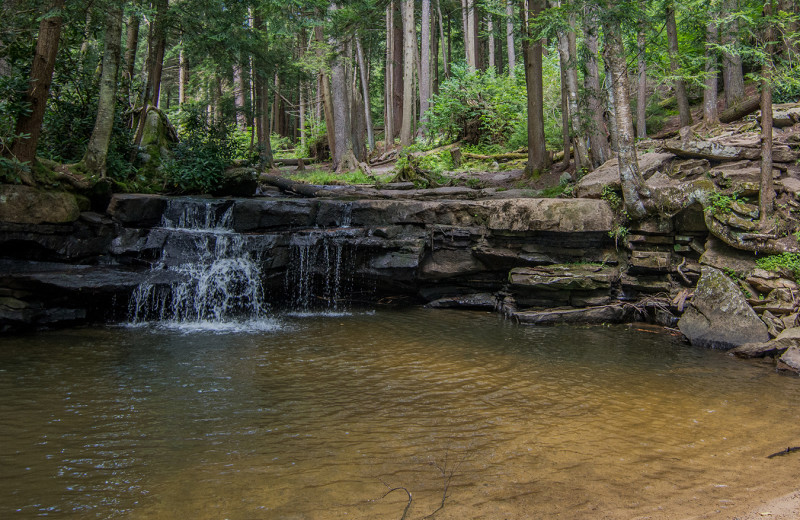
(165, 94)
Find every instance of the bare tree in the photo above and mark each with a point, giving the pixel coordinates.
(409, 45)
(425, 84)
(512, 59)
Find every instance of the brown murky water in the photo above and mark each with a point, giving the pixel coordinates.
(320, 417)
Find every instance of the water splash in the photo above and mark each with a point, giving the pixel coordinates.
(215, 278)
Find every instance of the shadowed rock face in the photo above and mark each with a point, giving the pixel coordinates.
(516, 255)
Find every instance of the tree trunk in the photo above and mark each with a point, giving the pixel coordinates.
(766, 194)
(600, 151)
(641, 91)
(470, 47)
(566, 140)
(512, 58)
(325, 86)
(261, 105)
(344, 159)
(155, 62)
(710, 113)
(685, 113)
(445, 60)
(238, 96)
(44, 61)
(183, 76)
(532, 57)
(425, 84)
(490, 31)
(732, 76)
(389, 79)
(567, 52)
(131, 44)
(302, 123)
(397, 68)
(634, 189)
(97, 150)
(409, 39)
(362, 68)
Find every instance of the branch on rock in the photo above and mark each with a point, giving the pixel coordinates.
(292, 187)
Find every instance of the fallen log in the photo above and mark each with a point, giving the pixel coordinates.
(292, 187)
(740, 110)
(500, 157)
(295, 162)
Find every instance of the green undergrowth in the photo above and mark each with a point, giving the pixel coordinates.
(322, 177)
(782, 262)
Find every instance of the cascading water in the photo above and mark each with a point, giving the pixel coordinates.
(320, 273)
(216, 277)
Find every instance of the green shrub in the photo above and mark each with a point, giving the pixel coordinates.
(783, 262)
(200, 158)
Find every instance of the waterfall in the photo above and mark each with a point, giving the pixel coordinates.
(216, 279)
(320, 276)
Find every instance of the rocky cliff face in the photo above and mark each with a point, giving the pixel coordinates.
(522, 256)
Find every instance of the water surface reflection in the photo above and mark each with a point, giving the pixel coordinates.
(314, 416)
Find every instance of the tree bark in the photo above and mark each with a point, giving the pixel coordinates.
(131, 44)
(325, 86)
(389, 79)
(490, 31)
(766, 193)
(512, 58)
(532, 57)
(261, 95)
(155, 62)
(566, 140)
(409, 44)
(634, 189)
(183, 76)
(684, 112)
(732, 76)
(567, 52)
(425, 84)
(710, 113)
(445, 61)
(362, 68)
(44, 61)
(397, 68)
(600, 151)
(344, 159)
(97, 149)
(641, 90)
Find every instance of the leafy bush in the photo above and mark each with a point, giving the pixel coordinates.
(12, 90)
(203, 153)
(478, 107)
(784, 261)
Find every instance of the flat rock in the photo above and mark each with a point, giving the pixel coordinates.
(588, 315)
(564, 277)
(591, 185)
(28, 205)
(729, 148)
(482, 301)
(787, 338)
(721, 256)
(719, 316)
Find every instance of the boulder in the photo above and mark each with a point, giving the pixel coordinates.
(238, 182)
(137, 210)
(767, 281)
(591, 185)
(28, 205)
(719, 316)
(726, 148)
(790, 360)
(787, 338)
(725, 258)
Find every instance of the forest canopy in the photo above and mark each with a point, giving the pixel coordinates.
(165, 94)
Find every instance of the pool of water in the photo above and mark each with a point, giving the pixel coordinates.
(320, 416)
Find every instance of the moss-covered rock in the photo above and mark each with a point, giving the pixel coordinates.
(27, 205)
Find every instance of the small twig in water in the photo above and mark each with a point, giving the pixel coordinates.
(391, 490)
